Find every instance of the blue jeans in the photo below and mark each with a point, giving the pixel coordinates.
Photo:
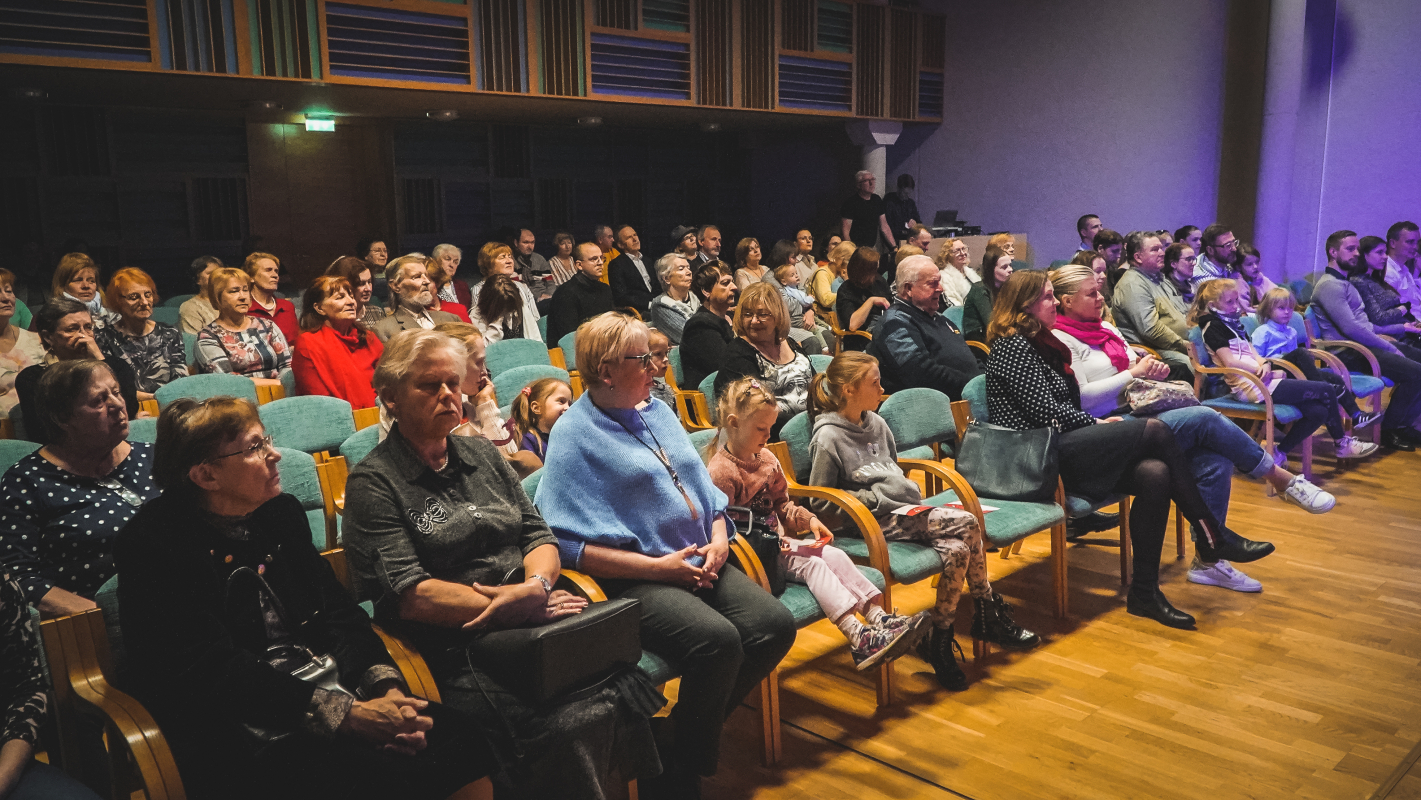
(1215, 447)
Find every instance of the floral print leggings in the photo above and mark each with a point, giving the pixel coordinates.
(957, 538)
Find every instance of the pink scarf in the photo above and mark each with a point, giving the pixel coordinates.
(1097, 335)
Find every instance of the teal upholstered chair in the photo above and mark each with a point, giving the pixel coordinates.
(509, 353)
(23, 316)
(921, 422)
(143, 429)
(543, 328)
(1268, 413)
(820, 362)
(168, 315)
(530, 483)
(355, 448)
(705, 404)
(12, 450)
(1368, 385)
(508, 384)
(177, 300)
(568, 345)
(702, 440)
(675, 373)
(288, 383)
(954, 315)
(206, 386)
(311, 423)
(300, 479)
(190, 347)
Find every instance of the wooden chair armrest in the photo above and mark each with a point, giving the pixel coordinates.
(583, 586)
(1350, 345)
(410, 663)
(750, 562)
(150, 406)
(269, 392)
(1287, 367)
(1147, 350)
(7, 428)
(1243, 373)
(556, 357)
(976, 345)
(575, 383)
(961, 417)
(702, 410)
(1335, 363)
(365, 417)
(951, 479)
(858, 515)
(685, 402)
(332, 475)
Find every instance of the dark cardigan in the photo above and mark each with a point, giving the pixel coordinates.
(741, 360)
(186, 651)
(703, 344)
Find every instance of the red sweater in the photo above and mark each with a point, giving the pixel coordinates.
(327, 363)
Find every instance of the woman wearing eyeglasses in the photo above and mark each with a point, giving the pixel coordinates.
(153, 349)
(224, 598)
(668, 548)
(954, 261)
(62, 505)
(764, 350)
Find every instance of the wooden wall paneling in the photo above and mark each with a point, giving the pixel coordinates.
(562, 40)
(153, 34)
(758, 37)
(322, 32)
(713, 30)
(501, 52)
(533, 61)
(797, 24)
(870, 59)
(241, 14)
(902, 40)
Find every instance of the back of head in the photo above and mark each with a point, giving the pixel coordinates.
(906, 251)
(321, 288)
(1009, 310)
(1107, 238)
(827, 391)
(1207, 294)
(784, 252)
(498, 298)
(191, 432)
(863, 265)
(60, 389)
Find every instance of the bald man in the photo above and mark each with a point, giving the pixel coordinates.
(915, 345)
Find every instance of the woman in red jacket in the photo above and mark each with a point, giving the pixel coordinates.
(334, 356)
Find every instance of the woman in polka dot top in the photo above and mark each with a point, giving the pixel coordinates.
(62, 506)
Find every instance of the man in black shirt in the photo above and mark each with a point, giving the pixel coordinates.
(902, 209)
(583, 297)
(863, 215)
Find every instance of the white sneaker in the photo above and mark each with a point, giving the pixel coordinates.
(1304, 495)
(1222, 573)
(1351, 447)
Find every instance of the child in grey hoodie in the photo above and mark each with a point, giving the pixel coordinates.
(853, 449)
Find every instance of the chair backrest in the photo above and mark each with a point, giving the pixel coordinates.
(143, 429)
(189, 348)
(530, 483)
(568, 343)
(358, 446)
(676, 372)
(17, 424)
(796, 433)
(177, 300)
(707, 388)
(1301, 289)
(1250, 323)
(975, 393)
(203, 387)
(167, 315)
(919, 417)
(288, 382)
(1201, 353)
(1310, 325)
(543, 328)
(508, 384)
(954, 315)
(509, 353)
(701, 440)
(299, 478)
(1297, 324)
(820, 362)
(107, 601)
(312, 424)
(12, 450)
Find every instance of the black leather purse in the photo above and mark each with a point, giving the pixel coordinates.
(764, 540)
(1005, 464)
(542, 664)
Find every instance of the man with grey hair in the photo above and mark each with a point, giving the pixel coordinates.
(864, 215)
(412, 295)
(708, 244)
(916, 346)
(1148, 309)
(603, 237)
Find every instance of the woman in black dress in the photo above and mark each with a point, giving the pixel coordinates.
(1030, 385)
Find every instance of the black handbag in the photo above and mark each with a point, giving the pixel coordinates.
(1005, 464)
(764, 540)
(542, 664)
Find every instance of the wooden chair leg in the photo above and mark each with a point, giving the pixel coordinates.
(1125, 555)
(633, 791)
(1016, 547)
(1178, 532)
(1307, 458)
(885, 684)
(770, 717)
(981, 648)
(1058, 569)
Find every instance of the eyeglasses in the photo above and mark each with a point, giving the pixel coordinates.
(644, 358)
(264, 443)
(136, 296)
(1229, 245)
(756, 316)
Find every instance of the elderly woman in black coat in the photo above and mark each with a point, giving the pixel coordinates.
(224, 600)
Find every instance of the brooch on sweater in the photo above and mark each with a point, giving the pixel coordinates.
(424, 521)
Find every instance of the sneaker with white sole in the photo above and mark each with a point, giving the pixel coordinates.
(1222, 573)
(1352, 447)
(1303, 494)
(875, 645)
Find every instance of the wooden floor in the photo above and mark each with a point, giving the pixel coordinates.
(1310, 689)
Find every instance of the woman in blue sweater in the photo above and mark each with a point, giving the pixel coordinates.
(631, 504)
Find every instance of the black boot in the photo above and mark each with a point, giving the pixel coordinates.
(937, 648)
(1093, 522)
(1157, 608)
(992, 622)
(1229, 547)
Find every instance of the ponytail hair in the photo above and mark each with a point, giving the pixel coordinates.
(741, 398)
(522, 412)
(826, 392)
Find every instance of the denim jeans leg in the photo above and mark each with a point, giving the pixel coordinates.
(1200, 427)
(1214, 474)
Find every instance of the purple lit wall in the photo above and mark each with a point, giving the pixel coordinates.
(1059, 109)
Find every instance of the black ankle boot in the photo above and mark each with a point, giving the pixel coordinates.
(1157, 608)
(992, 622)
(941, 650)
(1230, 547)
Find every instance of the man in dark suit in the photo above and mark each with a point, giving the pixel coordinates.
(633, 281)
(583, 297)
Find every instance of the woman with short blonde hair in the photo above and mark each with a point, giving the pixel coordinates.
(238, 342)
(954, 261)
(77, 278)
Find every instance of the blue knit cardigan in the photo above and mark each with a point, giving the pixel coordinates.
(601, 487)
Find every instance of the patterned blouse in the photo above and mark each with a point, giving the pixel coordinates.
(258, 351)
(57, 528)
(22, 686)
(157, 357)
(27, 352)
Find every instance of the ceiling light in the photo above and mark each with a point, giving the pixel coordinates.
(443, 115)
(325, 124)
(589, 122)
(262, 105)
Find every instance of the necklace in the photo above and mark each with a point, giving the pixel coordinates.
(661, 456)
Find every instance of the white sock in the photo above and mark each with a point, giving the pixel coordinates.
(875, 614)
(852, 628)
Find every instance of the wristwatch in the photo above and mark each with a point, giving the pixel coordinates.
(547, 587)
